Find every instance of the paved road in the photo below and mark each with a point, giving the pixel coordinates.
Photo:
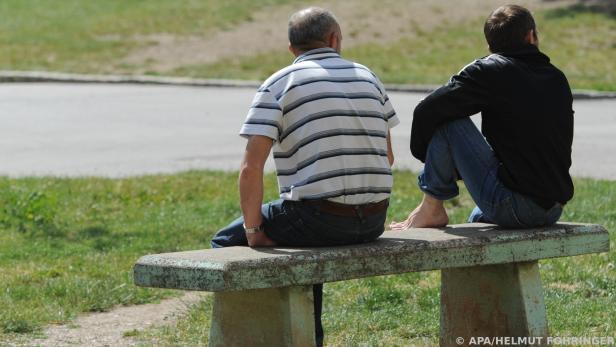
(120, 130)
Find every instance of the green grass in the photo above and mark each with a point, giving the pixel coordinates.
(85, 36)
(93, 36)
(580, 42)
(67, 246)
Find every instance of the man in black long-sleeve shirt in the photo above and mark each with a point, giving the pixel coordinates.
(518, 171)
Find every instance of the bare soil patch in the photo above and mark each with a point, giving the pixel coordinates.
(109, 328)
(362, 21)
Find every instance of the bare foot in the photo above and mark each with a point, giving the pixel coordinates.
(429, 214)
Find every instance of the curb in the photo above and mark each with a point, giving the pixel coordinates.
(59, 77)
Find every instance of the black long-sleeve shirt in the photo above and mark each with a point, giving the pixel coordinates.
(527, 118)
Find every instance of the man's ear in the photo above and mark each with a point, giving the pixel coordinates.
(531, 37)
(293, 50)
(334, 40)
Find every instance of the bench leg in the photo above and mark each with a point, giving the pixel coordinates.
(492, 301)
(263, 317)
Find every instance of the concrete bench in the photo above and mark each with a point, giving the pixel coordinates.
(490, 283)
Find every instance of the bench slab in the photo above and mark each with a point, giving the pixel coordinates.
(420, 249)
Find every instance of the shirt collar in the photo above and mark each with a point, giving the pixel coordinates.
(318, 53)
(526, 51)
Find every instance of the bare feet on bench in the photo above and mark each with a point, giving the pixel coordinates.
(429, 214)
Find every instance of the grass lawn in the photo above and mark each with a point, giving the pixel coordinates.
(94, 36)
(85, 36)
(68, 245)
(580, 42)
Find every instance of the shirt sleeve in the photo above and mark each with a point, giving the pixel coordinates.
(464, 95)
(388, 109)
(264, 117)
(390, 113)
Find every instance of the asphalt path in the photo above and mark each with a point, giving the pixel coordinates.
(117, 130)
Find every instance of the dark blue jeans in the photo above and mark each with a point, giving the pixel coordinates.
(459, 148)
(292, 223)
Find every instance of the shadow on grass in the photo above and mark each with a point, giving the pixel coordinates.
(99, 238)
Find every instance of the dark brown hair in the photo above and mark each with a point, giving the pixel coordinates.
(506, 28)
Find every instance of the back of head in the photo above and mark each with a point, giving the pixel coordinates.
(507, 27)
(310, 28)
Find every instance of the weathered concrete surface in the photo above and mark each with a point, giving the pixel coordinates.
(492, 301)
(464, 245)
(263, 317)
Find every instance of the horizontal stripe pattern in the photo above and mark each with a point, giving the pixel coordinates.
(326, 114)
(266, 122)
(332, 154)
(325, 134)
(330, 95)
(329, 119)
(326, 79)
(338, 173)
(266, 105)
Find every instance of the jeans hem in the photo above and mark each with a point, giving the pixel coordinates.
(440, 197)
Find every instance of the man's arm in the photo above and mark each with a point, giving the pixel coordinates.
(251, 186)
(390, 152)
(464, 95)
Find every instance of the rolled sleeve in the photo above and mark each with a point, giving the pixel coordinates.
(264, 117)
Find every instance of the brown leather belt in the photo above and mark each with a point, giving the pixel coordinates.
(348, 210)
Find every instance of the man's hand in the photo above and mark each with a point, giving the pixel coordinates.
(259, 240)
(251, 186)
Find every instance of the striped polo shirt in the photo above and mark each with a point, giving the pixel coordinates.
(329, 119)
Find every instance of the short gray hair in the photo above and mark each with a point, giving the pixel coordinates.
(309, 28)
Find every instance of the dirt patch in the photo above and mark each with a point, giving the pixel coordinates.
(365, 21)
(109, 328)
(568, 287)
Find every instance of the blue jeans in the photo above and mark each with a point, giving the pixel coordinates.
(457, 150)
(292, 223)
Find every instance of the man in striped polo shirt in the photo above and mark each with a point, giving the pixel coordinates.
(328, 122)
